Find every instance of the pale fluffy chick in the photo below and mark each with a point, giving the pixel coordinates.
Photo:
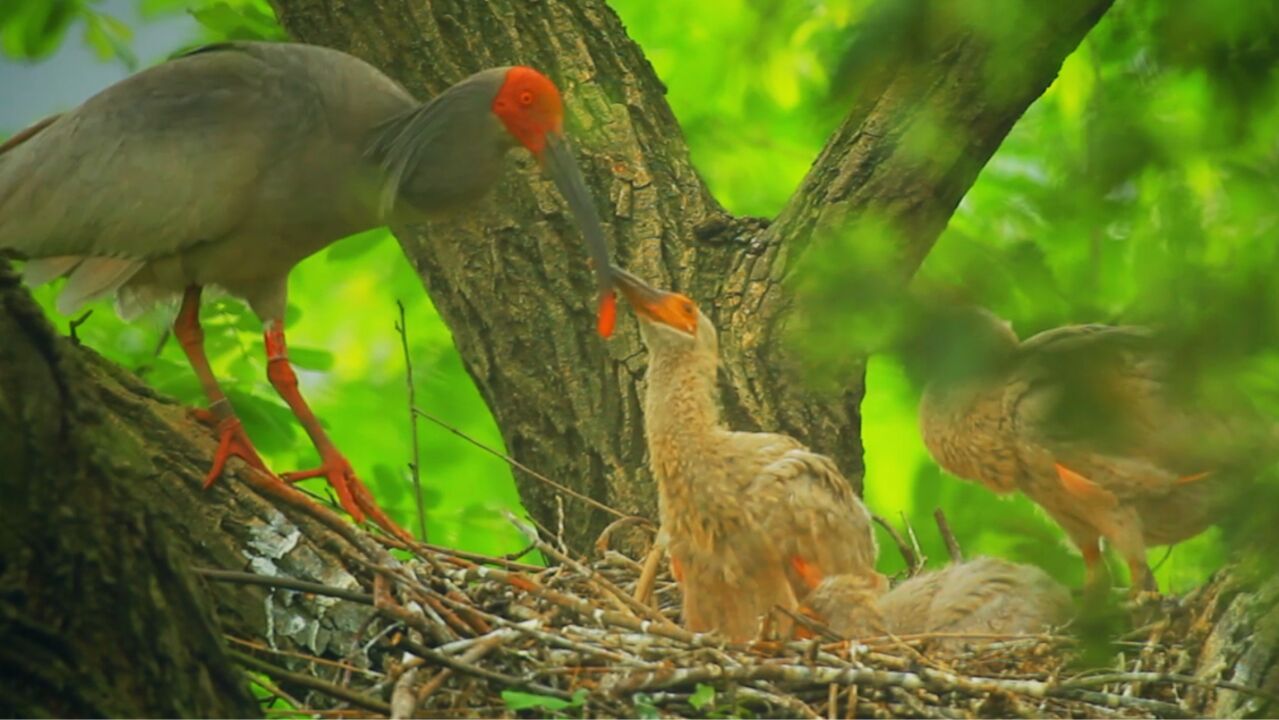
(981, 597)
(752, 520)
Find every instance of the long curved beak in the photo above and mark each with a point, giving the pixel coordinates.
(641, 295)
(562, 167)
(658, 306)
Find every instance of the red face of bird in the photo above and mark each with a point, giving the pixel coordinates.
(658, 307)
(531, 110)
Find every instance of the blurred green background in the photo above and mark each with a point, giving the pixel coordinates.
(1140, 187)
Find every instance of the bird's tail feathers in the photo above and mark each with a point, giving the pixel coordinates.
(133, 300)
(93, 278)
(39, 271)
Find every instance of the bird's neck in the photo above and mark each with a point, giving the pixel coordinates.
(681, 415)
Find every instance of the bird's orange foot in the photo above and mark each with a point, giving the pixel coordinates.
(232, 441)
(204, 416)
(353, 495)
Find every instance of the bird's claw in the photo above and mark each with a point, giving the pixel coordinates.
(232, 441)
(353, 495)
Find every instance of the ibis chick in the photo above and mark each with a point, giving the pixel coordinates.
(751, 520)
(1087, 421)
(975, 601)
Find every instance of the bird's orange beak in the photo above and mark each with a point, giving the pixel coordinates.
(657, 306)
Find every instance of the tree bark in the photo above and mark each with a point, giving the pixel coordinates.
(100, 614)
(99, 611)
(510, 278)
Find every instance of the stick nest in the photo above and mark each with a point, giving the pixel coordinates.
(457, 635)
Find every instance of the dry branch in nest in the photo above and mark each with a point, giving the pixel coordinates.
(456, 635)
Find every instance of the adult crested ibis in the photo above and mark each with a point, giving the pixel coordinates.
(751, 520)
(229, 165)
(1088, 422)
(981, 597)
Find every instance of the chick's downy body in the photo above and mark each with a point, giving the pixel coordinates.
(751, 520)
(1088, 422)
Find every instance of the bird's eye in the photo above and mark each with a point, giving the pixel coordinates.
(688, 308)
(526, 98)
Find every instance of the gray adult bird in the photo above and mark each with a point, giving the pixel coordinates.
(230, 164)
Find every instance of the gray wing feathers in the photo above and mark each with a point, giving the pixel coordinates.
(160, 161)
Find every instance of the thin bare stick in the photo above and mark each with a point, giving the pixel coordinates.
(630, 603)
(74, 326)
(606, 535)
(952, 544)
(472, 655)
(922, 677)
(458, 665)
(404, 700)
(1165, 678)
(345, 667)
(521, 466)
(314, 683)
(487, 559)
(246, 578)
(914, 544)
(415, 467)
(813, 626)
(906, 552)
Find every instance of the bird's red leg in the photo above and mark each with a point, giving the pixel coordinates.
(1095, 574)
(231, 437)
(334, 467)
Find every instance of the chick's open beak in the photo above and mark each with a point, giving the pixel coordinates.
(657, 306)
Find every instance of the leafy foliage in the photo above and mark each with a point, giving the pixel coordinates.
(1140, 188)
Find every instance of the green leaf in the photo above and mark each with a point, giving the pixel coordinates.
(702, 697)
(311, 358)
(516, 700)
(242, 21)
(644, 707)
(35, 28)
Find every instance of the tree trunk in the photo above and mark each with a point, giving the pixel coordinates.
(100, 614)
(510, 278)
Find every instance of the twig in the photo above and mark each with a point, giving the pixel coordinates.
(521, 466)
(912, 560)
(921, 678)
(402, 328)
(75, 324)
(602, 542)
(247, 578)
(343, 666)
(404, 700)
(1165, 678)
(309, 681)
(458, 665)
(472, 655)
(914, 544)
(952, 545)
(629, 602)
(487, 559)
